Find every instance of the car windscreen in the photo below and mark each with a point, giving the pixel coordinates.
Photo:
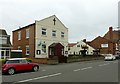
(11, 61)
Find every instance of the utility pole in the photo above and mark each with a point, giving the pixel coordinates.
(119, 39)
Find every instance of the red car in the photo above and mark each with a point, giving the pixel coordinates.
(18, 64)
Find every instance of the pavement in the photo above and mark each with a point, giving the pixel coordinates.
(88, 71)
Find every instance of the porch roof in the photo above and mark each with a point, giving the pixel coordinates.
(54, 44)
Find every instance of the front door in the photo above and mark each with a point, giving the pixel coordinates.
(57, 50)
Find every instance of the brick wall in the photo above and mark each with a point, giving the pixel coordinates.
(23, 42)
(96, 43)
(40, 61)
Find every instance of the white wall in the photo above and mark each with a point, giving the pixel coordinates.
(77, 49)
(48, 24)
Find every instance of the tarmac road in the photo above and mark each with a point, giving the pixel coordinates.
(89, 71)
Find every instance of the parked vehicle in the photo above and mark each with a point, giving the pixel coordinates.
(117, 56)
(109, 57)
(18, 64)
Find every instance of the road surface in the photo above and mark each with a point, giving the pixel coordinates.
(89, 71)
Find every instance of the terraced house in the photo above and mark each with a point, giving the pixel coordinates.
(5, 44)
(42, 40)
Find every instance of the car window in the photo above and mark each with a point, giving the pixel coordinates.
(12, 61)
(23, 61)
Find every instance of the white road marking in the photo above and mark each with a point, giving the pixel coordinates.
(103, 64)
(43, 70)
(86, 68)
(82, 69)
(55, 74)
(76, 70)
(39, 78)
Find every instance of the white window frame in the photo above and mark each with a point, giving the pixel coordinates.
(44, 31)
(19, 35)
(44, 49)
(62, 34)
(27, 50)
(27, 34)
(54, 33)
(5, 55)
(104, 45)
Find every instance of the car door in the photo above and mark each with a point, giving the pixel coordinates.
(26, 65)
(16, 64)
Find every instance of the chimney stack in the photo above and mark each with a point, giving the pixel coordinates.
(84, 40)
(111, 33)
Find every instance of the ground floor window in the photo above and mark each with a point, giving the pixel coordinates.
(27, 50)
(4, 53)
(43, 48)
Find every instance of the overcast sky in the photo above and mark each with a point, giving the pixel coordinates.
(85, 19)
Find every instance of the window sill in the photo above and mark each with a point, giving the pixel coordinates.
(44, 54)
(44, 35)
(27, 38)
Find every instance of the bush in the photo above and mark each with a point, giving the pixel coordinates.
(29, 59)
(2, 61)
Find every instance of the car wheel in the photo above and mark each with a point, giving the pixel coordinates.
(11, 71)
(35, 68)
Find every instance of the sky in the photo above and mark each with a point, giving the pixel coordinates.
(85, 19)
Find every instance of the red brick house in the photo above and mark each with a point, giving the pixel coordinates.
(109, 43)
(43, 40)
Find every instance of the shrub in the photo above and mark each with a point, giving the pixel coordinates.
(29, 59)
(2, 61)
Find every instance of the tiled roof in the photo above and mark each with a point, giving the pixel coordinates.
(71, 44)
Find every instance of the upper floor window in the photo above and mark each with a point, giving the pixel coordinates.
(19, 35)
(104, 45)
(54, 33)
(27, 33)
(44, 31)
(62, 34)
(3, 40)
(78, 45)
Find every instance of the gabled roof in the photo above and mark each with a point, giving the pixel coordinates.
(51, 17)
(99, 37)
(71, 44)
(24, 27)
(113, 34)
(40, 20)
(54, 45)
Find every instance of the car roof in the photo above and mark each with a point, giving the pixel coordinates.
(16, 58)
(108, 54)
